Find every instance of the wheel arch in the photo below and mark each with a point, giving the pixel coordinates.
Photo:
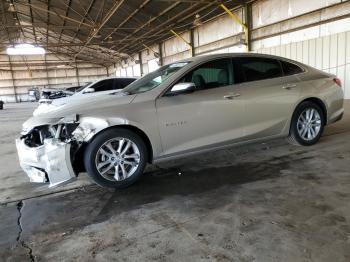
(79, 155)
(321, 104)
(135, 130)
(295, 138)
(318, 102)
(315, 100)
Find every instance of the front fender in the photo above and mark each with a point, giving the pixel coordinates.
(89, 127)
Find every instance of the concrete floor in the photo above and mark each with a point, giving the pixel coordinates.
(265, 202)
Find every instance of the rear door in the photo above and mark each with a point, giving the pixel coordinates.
(269, 95)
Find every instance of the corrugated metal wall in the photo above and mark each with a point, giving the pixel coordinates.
(314, 32)
(329, 53)
(214, 36)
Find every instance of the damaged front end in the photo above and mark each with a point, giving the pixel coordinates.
(46, 152)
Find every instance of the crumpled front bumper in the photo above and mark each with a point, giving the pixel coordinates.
(49, 163)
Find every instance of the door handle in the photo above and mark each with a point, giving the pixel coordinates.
(232, 96)
(289, 86)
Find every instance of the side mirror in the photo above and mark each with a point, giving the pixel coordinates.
(89, 90)
(182, 88)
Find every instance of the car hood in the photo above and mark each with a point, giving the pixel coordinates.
(80, 96)
(51, 104)
(87, 106)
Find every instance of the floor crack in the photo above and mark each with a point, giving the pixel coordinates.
(20, 205)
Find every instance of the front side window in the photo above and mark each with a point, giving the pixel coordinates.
(121, 83)
(258, 68)
(104, 85)
(213, 74)
(154, 79)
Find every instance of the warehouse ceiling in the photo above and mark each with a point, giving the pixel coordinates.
(99, 31)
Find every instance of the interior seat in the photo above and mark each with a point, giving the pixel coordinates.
(223, 79)
(198, 80)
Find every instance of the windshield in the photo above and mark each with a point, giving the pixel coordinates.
(82, 87)
(154, 79)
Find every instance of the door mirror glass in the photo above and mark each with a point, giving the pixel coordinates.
(89, 90)
(182, 88)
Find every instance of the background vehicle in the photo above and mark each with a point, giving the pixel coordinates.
(104, 86)
(51, 94)
(191, 106)
(98, 87)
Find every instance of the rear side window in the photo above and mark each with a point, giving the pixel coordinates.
(290, 69)
(257, 68)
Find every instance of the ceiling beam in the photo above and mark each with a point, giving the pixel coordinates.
(54, 13)
(64, 22)
(128, 18)
(32, 21)
(83, 19)
(115, 7)
(160, 27)
(150, 21)
(54, 26)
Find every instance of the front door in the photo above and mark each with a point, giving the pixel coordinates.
(209, 116)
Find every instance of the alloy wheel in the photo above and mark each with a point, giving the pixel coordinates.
(309, 124)
(117, 159)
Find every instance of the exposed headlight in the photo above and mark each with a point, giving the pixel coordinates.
(62, 130)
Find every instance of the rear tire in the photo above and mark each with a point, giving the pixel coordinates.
(115, 158)
(307, 124)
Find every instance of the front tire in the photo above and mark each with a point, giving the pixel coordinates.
(307, 124)
(115, 158)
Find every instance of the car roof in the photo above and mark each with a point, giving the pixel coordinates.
(118, 77)
(203, 58)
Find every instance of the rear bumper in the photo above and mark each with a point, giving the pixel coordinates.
(49, 163)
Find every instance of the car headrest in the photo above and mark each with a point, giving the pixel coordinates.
(223, 77)
(198, 80)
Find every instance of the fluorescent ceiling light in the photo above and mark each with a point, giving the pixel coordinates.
(25, 49)
(11, 8)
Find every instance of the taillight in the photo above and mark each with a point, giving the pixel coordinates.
(337, 81)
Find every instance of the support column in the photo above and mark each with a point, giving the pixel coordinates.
(141, 63)
(238, 20)
(13, 80)
(184, 40)
(47, 72)
(193, 51)
(160, 54)
(77, 72)
(248, 16)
